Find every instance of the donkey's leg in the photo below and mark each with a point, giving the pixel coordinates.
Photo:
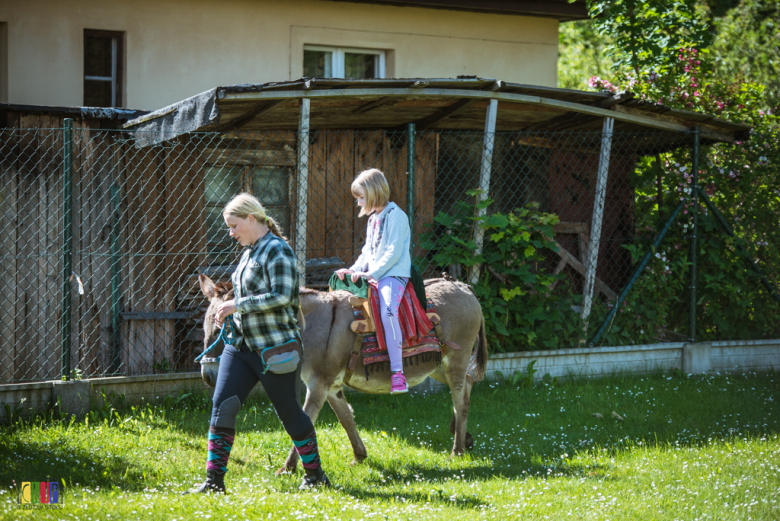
(346, 417)
(315, 399)
(460, 387)
(469, 440)
(458, 405)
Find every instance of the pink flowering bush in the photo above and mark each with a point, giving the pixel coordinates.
(742, 180)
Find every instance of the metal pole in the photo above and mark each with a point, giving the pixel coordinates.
(116, 281)
(694, 233)
(410, 142)
(67, 239)
(303, 187)
(598, 217)
(484, 180)
(635, 275)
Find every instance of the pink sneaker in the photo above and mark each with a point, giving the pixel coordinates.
(398, 384)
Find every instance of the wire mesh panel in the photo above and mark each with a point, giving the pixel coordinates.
(573, 222)
(30, 253)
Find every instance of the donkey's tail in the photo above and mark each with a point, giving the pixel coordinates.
(479, 356)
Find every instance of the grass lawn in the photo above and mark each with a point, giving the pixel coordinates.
(686, 448)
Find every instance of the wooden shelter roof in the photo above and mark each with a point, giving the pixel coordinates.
(440, 104)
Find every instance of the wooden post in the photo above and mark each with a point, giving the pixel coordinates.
(67, 240)
(484, 180)
(598, 217)
(303, 188)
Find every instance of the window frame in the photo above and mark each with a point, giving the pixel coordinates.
(117, 64)
(338, 64)
(246, 178)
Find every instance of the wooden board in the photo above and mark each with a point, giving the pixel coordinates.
(29, 348)
(8, 254)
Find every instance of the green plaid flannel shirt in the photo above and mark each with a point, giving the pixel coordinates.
(266, 289)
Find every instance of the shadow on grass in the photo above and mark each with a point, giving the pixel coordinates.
(25, 461)
(435, 495)
(479, 470)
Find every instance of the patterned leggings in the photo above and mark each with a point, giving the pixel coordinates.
(391, 291)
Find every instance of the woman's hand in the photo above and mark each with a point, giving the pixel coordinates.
(359, 274)
(342, 272)
(226, 308)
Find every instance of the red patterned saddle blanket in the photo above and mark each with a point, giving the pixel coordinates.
(374, 353)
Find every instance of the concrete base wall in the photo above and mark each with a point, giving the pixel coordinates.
(754, 355)
(704, 357)
(593, 362)
(150, 388)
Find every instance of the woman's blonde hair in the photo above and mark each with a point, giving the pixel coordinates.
(244, 205)
(376, 190)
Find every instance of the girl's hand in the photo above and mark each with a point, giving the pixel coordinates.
(358, 274)
(226, 308)
(342, 272)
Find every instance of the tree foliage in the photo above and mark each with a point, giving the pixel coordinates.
(646, 33)
(746, 46)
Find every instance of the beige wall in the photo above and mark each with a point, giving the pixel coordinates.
(176, 48)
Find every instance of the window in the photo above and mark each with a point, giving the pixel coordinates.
(102, 69)
(340, 62)
(270, 184)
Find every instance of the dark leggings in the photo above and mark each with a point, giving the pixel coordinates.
(238, 373)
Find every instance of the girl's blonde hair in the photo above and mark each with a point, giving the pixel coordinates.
(244, 205)
(376, 190)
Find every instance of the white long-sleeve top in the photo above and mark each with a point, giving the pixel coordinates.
(386, 252)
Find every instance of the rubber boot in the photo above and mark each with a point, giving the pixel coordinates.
(215, 483)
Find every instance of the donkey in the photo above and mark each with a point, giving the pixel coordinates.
(328, 341)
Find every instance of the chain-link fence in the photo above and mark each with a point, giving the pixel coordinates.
(566, 244)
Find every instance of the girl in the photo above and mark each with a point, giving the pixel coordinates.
(265, 314)
(385, 258)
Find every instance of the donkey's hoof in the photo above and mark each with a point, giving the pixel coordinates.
(469, 441)
(285, 470)
(358, 460)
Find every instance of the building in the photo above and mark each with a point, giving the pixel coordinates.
(148, 54)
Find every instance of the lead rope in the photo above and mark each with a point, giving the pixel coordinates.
(227, 329)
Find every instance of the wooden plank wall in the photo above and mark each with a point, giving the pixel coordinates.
(572, 192)
(185, 236)
(145, 240)
(337, 157)
(9, 308)
(30, 209)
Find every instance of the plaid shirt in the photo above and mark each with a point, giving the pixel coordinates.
(266, 288)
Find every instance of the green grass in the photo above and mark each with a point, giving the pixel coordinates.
(688, 448)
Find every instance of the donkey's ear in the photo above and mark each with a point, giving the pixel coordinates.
(206, 286)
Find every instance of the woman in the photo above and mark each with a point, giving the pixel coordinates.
(264, 313)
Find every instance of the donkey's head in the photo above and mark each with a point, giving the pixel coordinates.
(217, 294)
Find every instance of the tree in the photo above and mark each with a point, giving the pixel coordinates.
(647, 33)
(582, 54)
(746, 46)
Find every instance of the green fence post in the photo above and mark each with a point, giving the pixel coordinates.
(67, 239)
(116, 281)
(694, 233)
(410, 142)
(635, 275)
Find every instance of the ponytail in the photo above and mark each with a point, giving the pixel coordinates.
(274, 227)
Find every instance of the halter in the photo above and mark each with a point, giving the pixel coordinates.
(223, 334)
